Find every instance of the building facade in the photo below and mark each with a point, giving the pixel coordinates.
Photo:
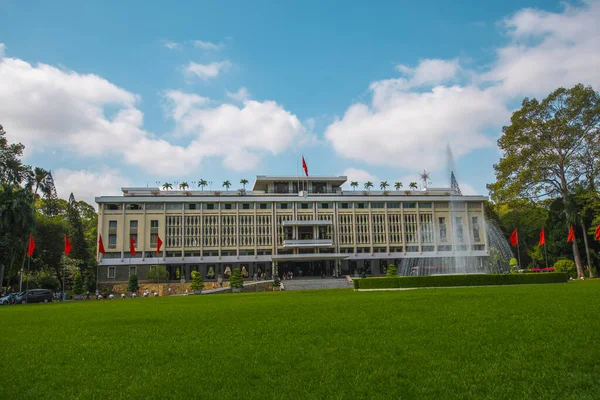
(309, 226)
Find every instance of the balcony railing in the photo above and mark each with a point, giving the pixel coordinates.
(312, 222)
(307, 243)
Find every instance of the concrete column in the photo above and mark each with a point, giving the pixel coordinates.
(402, 228)
(419, 233)
(124, 239)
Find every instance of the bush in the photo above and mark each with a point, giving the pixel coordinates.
(276, 281)
(77, 284)
(392, 270)
(133, 284)
(197, 283)
(565, 265)
(236, 280)
(514, 265)
(158, 273)
(459, 280)
(49, 282)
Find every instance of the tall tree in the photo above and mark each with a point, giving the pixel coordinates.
(398, 185)
(354, 185)
(227, 185)
(80, 249)
(544, 145)
(368, 185)
(244, 182)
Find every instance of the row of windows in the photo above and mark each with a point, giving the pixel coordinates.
(265, 206)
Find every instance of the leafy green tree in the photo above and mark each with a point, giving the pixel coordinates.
(398, 185)
(392, 270)
(384, 185)
(567, 266)
(133, 286)
(202, 184)
(413, 185)
(49, 282)
(183, 185)
(197, 282)
(544, 145)
(236, 281)
(227, 185)
(368, 185)
(514, 266)
(167, 186)
(244, 182)
(158, 273)
(79, 250)
(354, 185)
(50, 241)
(77, 284)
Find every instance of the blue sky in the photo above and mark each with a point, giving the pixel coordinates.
(109, 93)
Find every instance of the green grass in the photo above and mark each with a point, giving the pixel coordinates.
(513, 342)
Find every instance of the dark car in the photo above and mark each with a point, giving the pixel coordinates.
(35, 296)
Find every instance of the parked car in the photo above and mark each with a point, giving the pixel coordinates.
(35, 296)
(6, 299)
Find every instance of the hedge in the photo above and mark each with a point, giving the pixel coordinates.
(458, 280)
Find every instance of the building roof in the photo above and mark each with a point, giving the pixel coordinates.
(262, 181)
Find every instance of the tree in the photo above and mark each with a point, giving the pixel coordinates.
(167, 186)
(244, 182)
(226, 185)
(392, 270)
(202, 183)
(197, 283)
(398, 185)
(158, 273)
(40, 175)
(368, 185)
(183, 185)
(12, 170)
(132, 285)
(543, 147)
(77, 284)
(79, 250)
(354, 184)
(564, 265)
(236, 281)
(413, 185)
(384, 185)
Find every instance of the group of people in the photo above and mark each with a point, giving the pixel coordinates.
(287, 276)
(137, 293)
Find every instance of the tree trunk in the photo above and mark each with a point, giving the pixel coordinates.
(587, 250)
(577, 258)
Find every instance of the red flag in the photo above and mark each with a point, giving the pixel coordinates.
(514, 238)
(598, 233)
(68, 246)
(31, 246)
(542, 238)
(132, 246)
(571, 234)
(158, 244)
(304, 167)
(100, 246)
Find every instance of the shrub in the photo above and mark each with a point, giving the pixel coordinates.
(49, 282)
(158, 273)
(133, 284)
(77, 284)
(392, 270)
(565, 265)
(514, 265)
(276, 281)
(236, 280)
(197, 282)
(459, 280)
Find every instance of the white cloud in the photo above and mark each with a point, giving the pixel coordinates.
(358, 175)
(467, 189)
(206, 45)
(2, 49)
(172, 45)
(86, 184)
(239, 96)
(206, 71)
(181, 103)
(410, 119)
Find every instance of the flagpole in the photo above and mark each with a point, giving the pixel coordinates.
(519, 255)
(27, 283)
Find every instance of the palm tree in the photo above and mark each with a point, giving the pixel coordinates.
(183, 185)
(167, 186)
(244, 182)
(40, 179)
(413, 185)
(398, 185)
(354, 184)
(226, 185)
(384, 185)
(202, 183)
(368, 185)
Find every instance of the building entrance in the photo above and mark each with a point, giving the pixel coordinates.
(323, 268)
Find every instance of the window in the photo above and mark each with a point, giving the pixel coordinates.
(153, 233)
(112, 234)
(475, 223)
(361, 205)
(459, 229)
(443, 232)
(393, 205)
(445, 248)
(264, 206)
(377, 205)
(132, 270)
(133, 232)
(112, 207)
(247, 206)
(409, 205)
(319, 187)
(209, 206)
(174, 206)
(478, 247)
(228, 206)
(284, 206)
(192, 206)
(305, 206)
(112, 224)
(281, 187)
(173, 253)
(325, 205)
(425, 205)
(154, 206)
(134, 207)
(111, 272)
(345, 205)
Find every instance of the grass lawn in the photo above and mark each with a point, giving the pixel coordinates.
(513, 342)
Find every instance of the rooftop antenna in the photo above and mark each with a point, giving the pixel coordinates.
(454, 184)
(424, 176)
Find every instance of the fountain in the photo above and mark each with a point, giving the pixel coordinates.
(462, 259)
